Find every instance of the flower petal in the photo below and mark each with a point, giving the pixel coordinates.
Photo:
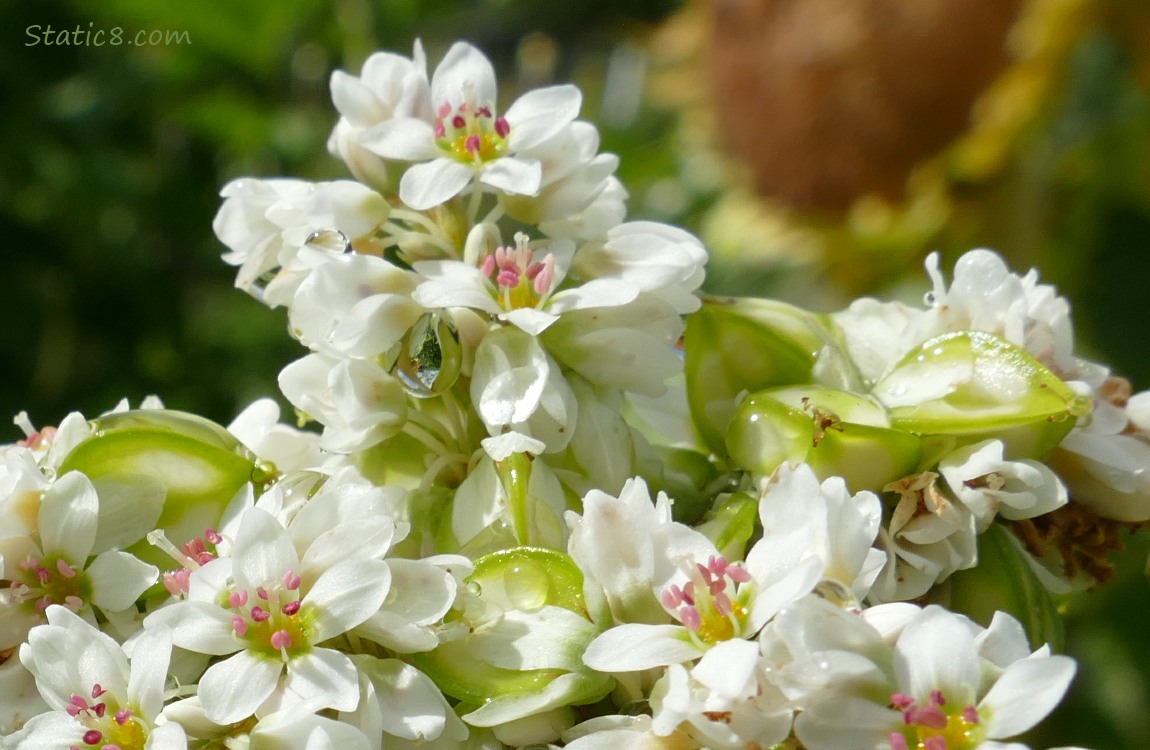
(635, 646)
(1025, 693)
(325, 679)
(233, 689)
(427, 185)
(68, 514)
(540, 114)
(463, 73)
(118, 578)
(347, 594)
(512, 175)
(405, 138)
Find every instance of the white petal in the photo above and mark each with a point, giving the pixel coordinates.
(130, 506)
(635, 646)
(1025, 693)
(405, 138)
(464, 71)
(540, 114)
(118, 578)
(347, 594)
(197, 626)
(427, 185)
(513, 175)
(68, 513)
(936, 651)
(151, 654)
(168, 736)
(325, 678)
(262, 551)
(233, 689)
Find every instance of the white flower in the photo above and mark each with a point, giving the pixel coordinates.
(989, 485)
(269, 609)
(358, 403)
(836, 527)
(97, 698)
(55, 569)
(259, 429)
(724, 701)
(946, 684)
(626, 547)
(266, 225)
(714, 601)
(467, 140)
(929, 536)
(388, 86)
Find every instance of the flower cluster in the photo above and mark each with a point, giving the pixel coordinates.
(466, 552)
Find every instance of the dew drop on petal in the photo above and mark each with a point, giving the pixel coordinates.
(259, 285)
(430, 357)
(328, 240)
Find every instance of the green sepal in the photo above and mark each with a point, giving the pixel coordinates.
(978, 386)
(685, 475)
(200, 464)
(735, 346)
(731, 523)
(1003, 580)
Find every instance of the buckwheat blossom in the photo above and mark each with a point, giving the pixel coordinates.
(941, 682)
(99, 698)
(989, 485)
(467, 139)
(256, 607)
(388, 85)
(713, 600)
(266, 225)
(53, 565)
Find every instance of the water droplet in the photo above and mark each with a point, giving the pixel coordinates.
(898, 389)
(836, 593)
(299, 486)
(259, 286)
(328, 240)
(527, 586)
(474, 588)
(429, 357)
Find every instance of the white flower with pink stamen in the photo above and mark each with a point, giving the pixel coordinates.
(466, 142)
(714, 602)
(51, 565)
(98, 699)
(518, 284)
(269, 609)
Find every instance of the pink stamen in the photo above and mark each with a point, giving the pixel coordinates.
(93, 736)
(900, 701)
(483, 111)
(738, 574)
(488, 266)
(291, 608)
(472, 144)
(689, 593)
(444, 109)
(928, 716)
(723, 604)
(440, 131)
(291, 580)
(73, 603)
(259, 614)
(100, 709)
(970, 714)
(690, 618)
(123, 715)
(281, 639)
(240, 625)
(238, 599)
(43, 603)
(937, 742)
(458, 123)
(545, 277)
(98, 690)
(43, 575)
(65, 569)
(262, 593)
(501, 127)
(936, 698)
(671, 597)
(170, 583)
(213, 536)
(29, 563)
(508, 277)
(897, 741)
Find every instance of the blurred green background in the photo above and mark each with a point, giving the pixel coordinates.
(113, 157)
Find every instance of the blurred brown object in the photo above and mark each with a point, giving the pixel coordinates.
(829, 100)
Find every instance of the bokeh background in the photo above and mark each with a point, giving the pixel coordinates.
(820, 147)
